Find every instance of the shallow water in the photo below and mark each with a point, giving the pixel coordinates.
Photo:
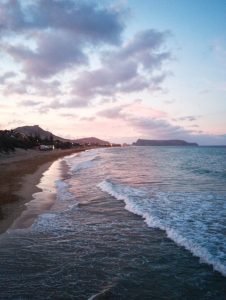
(88, 245)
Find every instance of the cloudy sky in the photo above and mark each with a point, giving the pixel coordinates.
(117, 70)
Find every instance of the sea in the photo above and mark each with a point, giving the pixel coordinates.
(122, 223)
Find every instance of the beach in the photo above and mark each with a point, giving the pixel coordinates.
(20, 173)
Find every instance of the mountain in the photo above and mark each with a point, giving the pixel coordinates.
(141, 142)
(35, 130)
(92, 141)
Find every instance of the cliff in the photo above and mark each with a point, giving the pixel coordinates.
(141, 142)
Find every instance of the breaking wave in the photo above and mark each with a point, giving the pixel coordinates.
(83, 161)
(199, 243)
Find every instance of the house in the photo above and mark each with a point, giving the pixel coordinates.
(46, 147)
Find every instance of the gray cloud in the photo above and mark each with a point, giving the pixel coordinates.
(187, 118)
(104, 81)
(30, 103)
(55, 52)
(6, 76)
(84, 19)
(112, 113)
(11, 16)
(15, 88)
(31, 86)
(130, 69)
(75, 102)
(158, 128)
(89, 119)
(66, 103)
(144, 47)
(137, 83)
(60, 30)
(58, 36)
(68, 115)
(194, 125)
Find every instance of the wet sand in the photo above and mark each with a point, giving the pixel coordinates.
(20, 172)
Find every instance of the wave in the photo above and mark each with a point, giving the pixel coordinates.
(136, 203)
(102, 294)
(83, 165)
(66, 201)
(56, 219)
(85, 160)
(62, 191)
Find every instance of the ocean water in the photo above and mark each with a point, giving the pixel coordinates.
(122, 223)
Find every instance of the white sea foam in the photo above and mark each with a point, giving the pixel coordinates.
(45, 222)
(85, 160)
(159, 214)
(62, 191)
(101, 293)
(56, 220)
(66, 200)
(82, 166)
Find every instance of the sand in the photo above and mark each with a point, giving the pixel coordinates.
(20, 172)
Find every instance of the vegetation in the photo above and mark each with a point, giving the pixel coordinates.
(10, 139)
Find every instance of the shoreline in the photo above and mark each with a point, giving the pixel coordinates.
(21, 173)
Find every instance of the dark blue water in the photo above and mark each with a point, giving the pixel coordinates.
(125, 223)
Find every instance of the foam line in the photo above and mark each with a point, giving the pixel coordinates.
(128, 195)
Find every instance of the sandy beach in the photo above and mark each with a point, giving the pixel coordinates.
(20, 173)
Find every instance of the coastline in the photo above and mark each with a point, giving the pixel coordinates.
(21, 172)
(88, 234)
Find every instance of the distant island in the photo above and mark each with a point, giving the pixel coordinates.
(141, 142)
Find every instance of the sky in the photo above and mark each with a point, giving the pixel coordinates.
(117, 70)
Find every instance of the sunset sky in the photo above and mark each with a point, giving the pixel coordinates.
(117, 70)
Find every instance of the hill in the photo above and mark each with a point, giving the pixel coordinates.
(91, 141)
(141, 142)
(37, 131)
